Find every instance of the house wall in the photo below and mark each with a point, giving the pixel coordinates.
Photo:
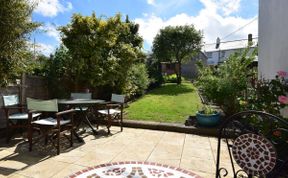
(189, 69)
(214, 59)
(273, 37)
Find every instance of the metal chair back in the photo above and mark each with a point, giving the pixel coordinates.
(257, 142)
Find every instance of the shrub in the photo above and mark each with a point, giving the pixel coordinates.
(102, 50)
(225, 84)
(154, 72)
(137, 80)
(57, 73)
(263, 95)
(170, 78)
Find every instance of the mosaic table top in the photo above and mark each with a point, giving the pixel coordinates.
(133, 169)
(254, 154)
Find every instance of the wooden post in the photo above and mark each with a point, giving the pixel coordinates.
(23, 89)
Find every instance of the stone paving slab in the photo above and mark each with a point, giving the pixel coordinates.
(190, 152)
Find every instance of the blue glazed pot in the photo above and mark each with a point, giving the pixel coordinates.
(208, 120)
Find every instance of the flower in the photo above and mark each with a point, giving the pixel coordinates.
(282, 73)
(277, 133)
(283, 99)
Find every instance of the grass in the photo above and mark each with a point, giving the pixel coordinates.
(169, 103)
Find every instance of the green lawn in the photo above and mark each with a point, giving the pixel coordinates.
(169, 103)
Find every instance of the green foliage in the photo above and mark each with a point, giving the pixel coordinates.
(168, 103)
(263, 95)
(102, 50)
(177, 44)
(154, 72)
(170, 78)
(36, 66)
(58, 73)
(207, 110)
(15, 27)
(137, 80)
(225, 84)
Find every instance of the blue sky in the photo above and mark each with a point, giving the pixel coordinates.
(216, 18)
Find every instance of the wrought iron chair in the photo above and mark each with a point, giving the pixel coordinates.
(113, 111)
(52, 125)
(16, 115)
(257, 144)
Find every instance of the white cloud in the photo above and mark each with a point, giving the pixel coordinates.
(229, 6)
(51, 8)
(213, 20)
(51, 31)
(151, 2)
(45, 49)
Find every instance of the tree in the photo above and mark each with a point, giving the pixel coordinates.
(177, 44)
(15, 27)
(102, 50)
(57, 71)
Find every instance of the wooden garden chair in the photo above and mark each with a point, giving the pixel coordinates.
(52, 123)
(16, 115)
(113, 111)
(85, 96)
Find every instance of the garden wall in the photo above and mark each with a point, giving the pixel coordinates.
(31, 86)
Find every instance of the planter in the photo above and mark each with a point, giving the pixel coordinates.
(208, 120)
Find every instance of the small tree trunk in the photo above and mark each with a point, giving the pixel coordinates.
(179, 76)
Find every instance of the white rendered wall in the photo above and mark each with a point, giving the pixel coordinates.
(273, 37)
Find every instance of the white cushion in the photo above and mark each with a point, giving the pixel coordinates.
(83, 109)
(22, 115)
(50, 122)
(111, 111)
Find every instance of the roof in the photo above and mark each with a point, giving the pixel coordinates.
(229, 45)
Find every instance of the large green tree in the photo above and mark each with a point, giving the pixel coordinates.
(15, 27)
(102, 50)
(177, 44)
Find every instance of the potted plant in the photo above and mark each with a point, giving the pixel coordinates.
(208, 116)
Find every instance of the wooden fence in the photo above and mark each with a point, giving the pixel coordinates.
(31, 86)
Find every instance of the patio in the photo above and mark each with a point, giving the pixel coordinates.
(190, 152)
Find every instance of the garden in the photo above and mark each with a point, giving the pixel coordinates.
(104, 57)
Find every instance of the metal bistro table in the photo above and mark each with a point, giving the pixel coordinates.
(81, 103)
